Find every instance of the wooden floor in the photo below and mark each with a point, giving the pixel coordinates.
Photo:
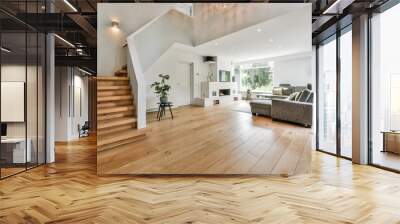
(213, 140)
(69, 191)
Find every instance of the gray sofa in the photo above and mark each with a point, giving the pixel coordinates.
(297, 108)
(261, 107)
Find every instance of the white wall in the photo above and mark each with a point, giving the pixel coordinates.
(296, 72)
(131, 17)
(173, 27)
(168, 64)
(67, 114)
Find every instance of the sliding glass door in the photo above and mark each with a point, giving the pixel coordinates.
(346, 92)
(334, 100)
(327, 96)
(385, 89)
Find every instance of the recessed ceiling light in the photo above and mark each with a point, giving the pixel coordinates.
(43, 7)
(271, 40)
(216, 44)
(259, 30)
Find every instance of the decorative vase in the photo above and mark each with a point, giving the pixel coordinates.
(163, 99)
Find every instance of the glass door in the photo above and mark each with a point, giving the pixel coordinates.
(327, 92)
(346, 93)
(385, 90)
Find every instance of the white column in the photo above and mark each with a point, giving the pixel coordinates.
(360, 90)
(50, 99)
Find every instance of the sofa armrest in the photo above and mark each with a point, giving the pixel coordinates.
(293, 111)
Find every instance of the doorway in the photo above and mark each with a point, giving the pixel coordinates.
(182, 89)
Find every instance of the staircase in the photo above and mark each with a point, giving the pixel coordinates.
(116, 117)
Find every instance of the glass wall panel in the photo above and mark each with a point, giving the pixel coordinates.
(31, 98)
(385, 89)
(346, 94)
(22, 88)
(14, 154)
(327, 96)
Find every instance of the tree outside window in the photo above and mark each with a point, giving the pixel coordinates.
(256, 79)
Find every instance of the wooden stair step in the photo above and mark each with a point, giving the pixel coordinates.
(106, 88)
(120, 138)
(121, 73)
(116, 122)
(103, 111)
(114, 104)
(112, 78)
(114, 130)
(115, 115)
(114, 98)
(114, 92)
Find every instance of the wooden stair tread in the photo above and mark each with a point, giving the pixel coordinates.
(121, 136)
(114, 110)
(107, 88)
(114, 98)
(112, 78)
(116, 122)
(109, 131)
(106, 117)
(117, 92)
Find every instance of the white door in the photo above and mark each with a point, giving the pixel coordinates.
(182, 86)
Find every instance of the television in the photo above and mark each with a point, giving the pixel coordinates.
(3, 130)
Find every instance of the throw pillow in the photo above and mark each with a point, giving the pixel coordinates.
(298, 96)
(286, 91)
(293, 96)
(311, 98)
(277, 91)
(304, 95)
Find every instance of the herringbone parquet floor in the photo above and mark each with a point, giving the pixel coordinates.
(69, 191)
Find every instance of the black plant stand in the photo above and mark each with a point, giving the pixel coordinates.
(161, 109)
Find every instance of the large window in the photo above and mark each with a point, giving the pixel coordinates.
(327, 96)
(335, 94)
(256, 77)
(346, 93)
(385, 89)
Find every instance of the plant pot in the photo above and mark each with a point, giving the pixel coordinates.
(163, 99)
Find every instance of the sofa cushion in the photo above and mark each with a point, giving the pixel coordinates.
(293, 96)
(286, 91)
(304, 95)
(310, 98)
(277, 91)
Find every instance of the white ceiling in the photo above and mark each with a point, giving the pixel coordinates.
(282, 35)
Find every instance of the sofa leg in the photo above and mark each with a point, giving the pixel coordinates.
(254, 114)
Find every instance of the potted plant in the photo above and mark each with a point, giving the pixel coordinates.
(161, 88)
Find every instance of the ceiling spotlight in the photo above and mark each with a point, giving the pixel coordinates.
(115, 24)
(271, 40)
(43, 7)
(216, 43)
(5, 50)
(259, 30)
(70, 5)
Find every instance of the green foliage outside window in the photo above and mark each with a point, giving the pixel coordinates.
(256, 79)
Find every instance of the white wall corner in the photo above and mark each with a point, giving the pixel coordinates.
(138, 81)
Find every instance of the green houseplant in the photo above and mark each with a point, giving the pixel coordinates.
(161, 88)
